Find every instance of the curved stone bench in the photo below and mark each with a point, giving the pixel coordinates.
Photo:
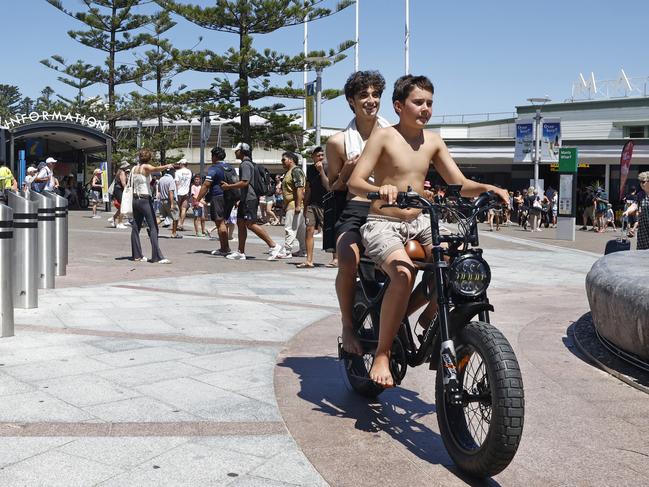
(618, 292)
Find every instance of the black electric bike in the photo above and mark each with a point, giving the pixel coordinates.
(478, 388)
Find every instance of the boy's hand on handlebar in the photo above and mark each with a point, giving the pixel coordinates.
(388, 193)
(503, 194)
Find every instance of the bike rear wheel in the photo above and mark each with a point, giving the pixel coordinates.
(357, 368)
(483, 434)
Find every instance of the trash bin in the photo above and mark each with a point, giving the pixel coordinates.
(60, 233)
(45, 239)
(6, 291)
(25, 251)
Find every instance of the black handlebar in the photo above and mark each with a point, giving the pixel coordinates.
(410, 198)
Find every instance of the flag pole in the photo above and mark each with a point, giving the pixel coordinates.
(357, 40)
(407, 46)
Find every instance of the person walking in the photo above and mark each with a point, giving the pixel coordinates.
(44, 180)
(118, 190)
(293, 191)
(533, 202)
(143, 208)
(317, 185)
(198, 205)
(248, 205)
(169, 202)
(641, 206)
(183, 178)
(95, 188)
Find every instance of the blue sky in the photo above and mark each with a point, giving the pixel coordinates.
(481, 56)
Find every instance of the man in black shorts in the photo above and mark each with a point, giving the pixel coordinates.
(363, 91)
(248, 205)
(221, 202)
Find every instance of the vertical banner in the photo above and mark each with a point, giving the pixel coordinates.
(310, 104)
(524, 144)
(625, 164)
(104, 182)
(550, 139)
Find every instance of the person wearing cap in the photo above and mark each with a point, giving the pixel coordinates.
(7, 180)
(29, 178)
(248, 205)
(95, 188)
(183, 179)
(44, 180)
(121, 179)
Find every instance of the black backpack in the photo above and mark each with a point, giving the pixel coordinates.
(230, 176)
(262, 181)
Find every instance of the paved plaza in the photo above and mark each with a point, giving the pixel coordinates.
(215, 372)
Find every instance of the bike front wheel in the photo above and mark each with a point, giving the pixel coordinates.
(483, 434)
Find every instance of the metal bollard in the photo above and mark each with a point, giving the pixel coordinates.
(6, 292)
(25, 253)
(45, 239)
(60, 233)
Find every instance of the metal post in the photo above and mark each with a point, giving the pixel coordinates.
(318, 101)
(6, 290)
(60, 233)
(45, 239)
(537, 147)
(25, 251)
(138, 140)
(206, 129)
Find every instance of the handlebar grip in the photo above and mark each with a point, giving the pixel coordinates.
(373, 195)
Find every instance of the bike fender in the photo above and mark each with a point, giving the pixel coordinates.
(459, 317)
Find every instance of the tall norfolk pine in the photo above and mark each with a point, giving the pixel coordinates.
(113, 27)
(245, 18)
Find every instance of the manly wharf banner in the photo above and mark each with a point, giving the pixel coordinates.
(25, 118)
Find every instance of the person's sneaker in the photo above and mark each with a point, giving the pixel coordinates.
(128, 223)
(275, 250)
(142, 259)
(110, 219)
(280, 255)
(301, 253)
(121, 226)
(236, 256)
(223, 253)
(164, 261)
(95, 216)
(112, 225)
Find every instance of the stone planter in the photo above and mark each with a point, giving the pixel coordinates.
(618, 292)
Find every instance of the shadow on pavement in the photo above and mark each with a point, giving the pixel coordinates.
(398, 412)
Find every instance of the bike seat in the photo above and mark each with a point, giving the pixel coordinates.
(415, 251)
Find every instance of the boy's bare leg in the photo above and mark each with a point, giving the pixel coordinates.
(260, 232)
(399, 268)
(348, 252)
(310, 243)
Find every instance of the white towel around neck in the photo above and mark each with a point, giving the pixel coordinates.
(354, 143)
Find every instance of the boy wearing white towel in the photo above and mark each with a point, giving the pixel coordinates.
(399, 156)
(363, 91)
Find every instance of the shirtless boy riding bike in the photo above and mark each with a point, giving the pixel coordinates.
(399, 156)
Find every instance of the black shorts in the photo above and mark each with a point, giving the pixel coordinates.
(248, 210)
(352, 218)
(221, 207)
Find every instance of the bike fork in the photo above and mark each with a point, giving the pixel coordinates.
(447, 353)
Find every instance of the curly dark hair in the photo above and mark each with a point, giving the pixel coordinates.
(218, 153)
(404, 85)
(361, 80)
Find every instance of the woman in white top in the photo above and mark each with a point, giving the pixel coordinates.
(143, 208)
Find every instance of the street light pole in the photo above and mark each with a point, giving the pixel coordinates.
(537, 147)
(537, 103)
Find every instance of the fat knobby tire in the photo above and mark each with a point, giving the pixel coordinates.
(507, 399)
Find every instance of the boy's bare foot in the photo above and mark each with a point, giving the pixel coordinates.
(351, 344)
(380, 372)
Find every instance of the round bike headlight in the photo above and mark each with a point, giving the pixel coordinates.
(469, 275)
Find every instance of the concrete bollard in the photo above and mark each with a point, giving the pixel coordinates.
(45, 239)
(60, 233)
(25, 251)
(6, 291)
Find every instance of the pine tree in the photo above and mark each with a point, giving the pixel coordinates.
(78, 75)
(246, 18)
(113, 27)
(10, 99)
